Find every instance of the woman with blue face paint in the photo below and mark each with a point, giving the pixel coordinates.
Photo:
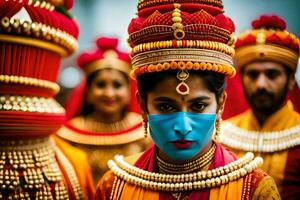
(180, 71)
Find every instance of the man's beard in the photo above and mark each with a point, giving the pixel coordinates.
(267, 102)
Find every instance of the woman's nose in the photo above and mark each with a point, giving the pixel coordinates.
(183, 125)
(109, 92)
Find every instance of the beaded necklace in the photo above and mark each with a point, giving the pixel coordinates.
(184, 182)
(259, 141)
(196, 165)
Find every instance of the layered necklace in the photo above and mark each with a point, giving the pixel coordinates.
(201, 163)
(259, 141)
(196, 165)
(198, 180)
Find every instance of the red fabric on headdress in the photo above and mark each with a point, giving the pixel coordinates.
(103, 44)
(200, 17)
(270, 22)
(190, 7)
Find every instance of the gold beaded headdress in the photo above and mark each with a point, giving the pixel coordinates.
(181, 35)
(269, 40)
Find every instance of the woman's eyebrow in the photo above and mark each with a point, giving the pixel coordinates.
(164, 99)
(197, 99)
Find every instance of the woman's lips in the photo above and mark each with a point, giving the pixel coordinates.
(110, 102)
(182, 144)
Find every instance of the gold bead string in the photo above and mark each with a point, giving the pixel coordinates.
(61, 192)
(177, 26)
(28, 81)
(30, 104)
(42, 4)
(193, 166)
(259, 141)
(181, 65)
(166, 182)
(201, 175)
(39, 30)
(199, 44)
(71, 174)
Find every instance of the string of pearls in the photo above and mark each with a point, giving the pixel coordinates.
(184, 182)
(259, 141)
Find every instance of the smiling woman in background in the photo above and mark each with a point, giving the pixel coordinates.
(100, 109)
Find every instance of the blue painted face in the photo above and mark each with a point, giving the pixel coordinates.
(181, 135)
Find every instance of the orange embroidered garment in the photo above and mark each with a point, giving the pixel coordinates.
(282, 157)
(78, 159)
(248, 187)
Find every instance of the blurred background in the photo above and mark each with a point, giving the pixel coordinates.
(111, 17)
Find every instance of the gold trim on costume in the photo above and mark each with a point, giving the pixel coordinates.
(182, 54)
(245, 55)
(198, 44)
(34, 42)
(28, 81)
(110, 61)
(59, 41)
(30, 104)
(259, 141)
(227, 70)
(130, 120)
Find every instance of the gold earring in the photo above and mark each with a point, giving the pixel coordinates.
(145, 124)
(217, 130)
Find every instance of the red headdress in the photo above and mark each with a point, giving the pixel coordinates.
(34, 36)
(268, 40)
(106, 56)
(185, 35)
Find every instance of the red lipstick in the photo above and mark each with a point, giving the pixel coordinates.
(182, 144)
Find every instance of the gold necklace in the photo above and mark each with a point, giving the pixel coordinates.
(129, 120)
(196, 165)
(184, 182)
